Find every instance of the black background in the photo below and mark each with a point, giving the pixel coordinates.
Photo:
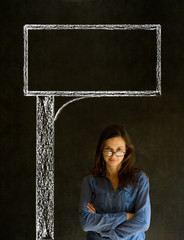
(92, 60)
(154, 124)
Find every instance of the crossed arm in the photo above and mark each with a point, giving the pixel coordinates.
(97, 222)
(117, 226)
(91, 209)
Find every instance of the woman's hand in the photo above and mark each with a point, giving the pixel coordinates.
(130, 216)
(91, 208)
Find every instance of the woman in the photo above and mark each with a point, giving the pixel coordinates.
(115, 201)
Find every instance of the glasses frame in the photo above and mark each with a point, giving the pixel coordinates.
(123, 153)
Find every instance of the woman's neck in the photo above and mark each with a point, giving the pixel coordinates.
(112, 172)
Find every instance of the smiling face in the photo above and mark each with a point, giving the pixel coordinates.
(114, 144)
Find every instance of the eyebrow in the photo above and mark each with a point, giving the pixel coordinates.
(111, 147)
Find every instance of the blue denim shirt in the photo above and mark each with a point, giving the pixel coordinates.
(110, 219)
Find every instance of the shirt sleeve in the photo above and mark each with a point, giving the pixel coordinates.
(141, 220)
(96, 222)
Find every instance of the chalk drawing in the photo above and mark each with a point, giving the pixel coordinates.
(45, 118)
(108, 27)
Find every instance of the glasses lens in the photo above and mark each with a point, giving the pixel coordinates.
(107, 153)
(119, 154)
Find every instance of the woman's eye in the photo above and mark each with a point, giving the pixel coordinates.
(119, 150)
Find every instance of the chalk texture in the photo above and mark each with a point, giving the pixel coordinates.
(45, 168)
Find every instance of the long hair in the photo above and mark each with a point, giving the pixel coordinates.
(126, 172)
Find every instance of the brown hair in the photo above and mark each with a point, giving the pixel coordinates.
(126, 173)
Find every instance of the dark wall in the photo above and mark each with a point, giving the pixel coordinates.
(155, 124)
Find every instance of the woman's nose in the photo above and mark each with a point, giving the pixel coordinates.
(113, 155)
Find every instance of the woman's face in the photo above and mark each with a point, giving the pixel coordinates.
(115, 144)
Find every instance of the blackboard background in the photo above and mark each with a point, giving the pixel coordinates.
(154, 124)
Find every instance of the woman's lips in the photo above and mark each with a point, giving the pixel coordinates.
(112, 160)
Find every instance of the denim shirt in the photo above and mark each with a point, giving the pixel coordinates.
(110, 220)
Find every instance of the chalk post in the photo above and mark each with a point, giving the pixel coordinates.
(45, 167)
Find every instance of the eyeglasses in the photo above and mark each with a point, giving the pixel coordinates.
(110, 153)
